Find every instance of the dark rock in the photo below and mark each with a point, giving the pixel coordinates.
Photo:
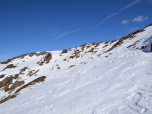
(2, 76)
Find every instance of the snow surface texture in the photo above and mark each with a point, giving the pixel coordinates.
(116, 82)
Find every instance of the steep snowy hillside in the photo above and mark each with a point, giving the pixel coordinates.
(112, 77)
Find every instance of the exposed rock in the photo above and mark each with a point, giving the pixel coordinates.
(143, 47)
(9, 66)
(40, 63)
(71, 57)
(149, 25)
(46, 59)
(87, 47)
(64, 51)
(58, 67)
(22, 56)
(91, 50)
(97, 44)
(2, 76)
(16, 76)
(64, 59)
(134, 44)
(130, 36)
(83, 46)
(40, 79)
(6, 81)
(24, 69)
(71, 66)
(16, 84)
(9, 60)
(31, 73)
(7, 98)
(6, 88)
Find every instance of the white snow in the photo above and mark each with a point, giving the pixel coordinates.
(118, 84)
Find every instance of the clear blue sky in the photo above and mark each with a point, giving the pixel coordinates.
(40, 25)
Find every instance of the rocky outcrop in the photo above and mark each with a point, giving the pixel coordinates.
(9, 66)
(16, 76)
(7, 98)
(9, 60)
(149, 25)
(46, 59)
(130, 36)
(2, 76)
(16, 84)
(6, 81)
(23, 70)
(40, 79)
(32, 72)
(71, 66)
(64, 51)
(22, 56)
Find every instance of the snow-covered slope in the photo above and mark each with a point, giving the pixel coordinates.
(112, 77)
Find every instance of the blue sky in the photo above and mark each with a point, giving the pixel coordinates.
(40, 25)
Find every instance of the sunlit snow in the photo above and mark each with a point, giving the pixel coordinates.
(118, 84)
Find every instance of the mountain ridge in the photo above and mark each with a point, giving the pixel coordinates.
(27, 72)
